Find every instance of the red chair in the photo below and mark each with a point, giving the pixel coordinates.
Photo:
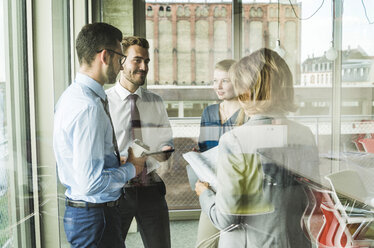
(368, 144)
(312, 220)
(333, 233)
(355, 215)
(324, 225)
(356, 141)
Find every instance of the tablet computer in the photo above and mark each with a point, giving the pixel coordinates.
(146, 153)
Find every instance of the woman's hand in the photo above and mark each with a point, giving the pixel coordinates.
(200, 187)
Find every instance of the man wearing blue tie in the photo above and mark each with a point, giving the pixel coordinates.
(86, 151)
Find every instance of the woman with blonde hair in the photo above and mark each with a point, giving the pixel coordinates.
(221, 117)
(215, 121)
(257, 202)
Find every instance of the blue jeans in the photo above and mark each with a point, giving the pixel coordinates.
(84, 226)
(93, 227)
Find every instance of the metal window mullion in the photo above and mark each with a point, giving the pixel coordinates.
(337, 83)
(33, 138)
(43, 98)
(139, 18)
(79, 17)
(89, 11)
(72, 41)
(236, 29)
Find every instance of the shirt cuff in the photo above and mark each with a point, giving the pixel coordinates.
(207, 200)
(129, 170)
(167, 144)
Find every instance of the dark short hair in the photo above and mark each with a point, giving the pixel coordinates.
(95, 37)
(134, 40)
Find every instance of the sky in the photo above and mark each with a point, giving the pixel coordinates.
(316, 32)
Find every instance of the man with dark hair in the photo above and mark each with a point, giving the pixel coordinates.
(140, 114)
(88, 162)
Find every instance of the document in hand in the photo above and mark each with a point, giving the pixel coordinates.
(139, 148)
(202, 166)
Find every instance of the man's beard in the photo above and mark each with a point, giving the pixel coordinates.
(112, 76)
(131, 78)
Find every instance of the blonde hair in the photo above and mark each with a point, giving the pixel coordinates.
(224, 65)
(265, 80)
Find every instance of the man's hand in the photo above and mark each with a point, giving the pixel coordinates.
(123, 160)
(138, 162)
(200, 187)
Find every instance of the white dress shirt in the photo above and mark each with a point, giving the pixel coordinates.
(83, 145)
(155, 125)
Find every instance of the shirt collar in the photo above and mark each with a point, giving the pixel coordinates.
(124, 93)
(259, 119)
(91, 83)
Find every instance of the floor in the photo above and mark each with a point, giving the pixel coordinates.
(183, 235)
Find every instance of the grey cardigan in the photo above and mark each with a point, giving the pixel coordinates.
(258, 203)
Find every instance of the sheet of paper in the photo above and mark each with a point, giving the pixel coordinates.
(204, 166)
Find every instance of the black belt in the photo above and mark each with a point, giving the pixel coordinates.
(83, 204)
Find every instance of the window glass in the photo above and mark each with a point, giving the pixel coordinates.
(186, 59)
(16, 193)
(357, 72)
(184, 49)
(4, 211)
(187, 39)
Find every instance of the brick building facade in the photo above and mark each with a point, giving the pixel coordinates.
(188, 37)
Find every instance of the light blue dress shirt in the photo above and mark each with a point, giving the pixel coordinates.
(83, 146)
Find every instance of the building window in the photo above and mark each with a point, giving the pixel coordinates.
(217, 11)
(180, 11)
(253, 12)
(149, 11)
(198, 11)
(187, 11)
(289, 12)
(205, 11)
(168, 11)
(223, 12)
(161, 11)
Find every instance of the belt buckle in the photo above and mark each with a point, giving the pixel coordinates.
(76, 204)
(112, 203)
